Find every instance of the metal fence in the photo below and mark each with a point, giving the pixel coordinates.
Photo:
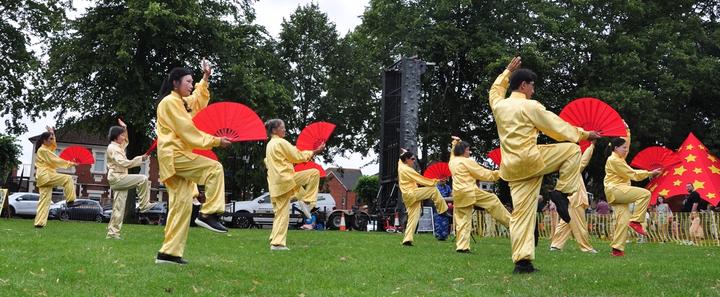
(697, 228)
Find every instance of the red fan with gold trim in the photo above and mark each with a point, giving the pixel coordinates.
(655, 157)
(77, 154)
(438, 170)
(309, 165)
(591, 114)
(313, 135)
(495, 156)
(233, 120)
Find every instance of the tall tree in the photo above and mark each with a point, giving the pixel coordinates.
(24, 26)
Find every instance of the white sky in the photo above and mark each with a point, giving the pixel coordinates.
(270, 13)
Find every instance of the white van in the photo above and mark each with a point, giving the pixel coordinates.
(262, 206)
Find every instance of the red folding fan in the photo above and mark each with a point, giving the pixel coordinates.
(313, 135)
(206, 153)
(438, 170)
(152, 147)
(77, 154)
(309, 165)
(233, 120)
(494, 155)
(584, 145)
(594, 115)
(655, 157)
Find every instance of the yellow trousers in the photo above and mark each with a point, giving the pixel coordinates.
(463, 216)
(181, 186)
(413, 203)
(578, 228)
(620, 197)
(563, 157)
(52, 180)
(308, 182)
(120, 189)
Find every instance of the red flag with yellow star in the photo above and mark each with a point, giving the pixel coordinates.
(698, 167)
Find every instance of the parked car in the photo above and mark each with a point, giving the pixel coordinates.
(155, 215)
(23, 204)
(262, 205)
(83, 209)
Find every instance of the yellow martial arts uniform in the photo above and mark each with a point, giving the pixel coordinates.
(413, 196)
(284, 183)
(620, 194)
(181, 170)
(120, 182)
(578, 204)
(466, 195)
(524, 162)
(46, 177)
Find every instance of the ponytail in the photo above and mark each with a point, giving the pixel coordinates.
(614, 143)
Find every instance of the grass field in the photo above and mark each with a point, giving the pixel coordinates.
(74, 259)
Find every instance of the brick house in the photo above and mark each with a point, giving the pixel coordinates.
(91, 180)
(340, 183)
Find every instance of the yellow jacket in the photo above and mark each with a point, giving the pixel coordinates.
(465, 173)
(519, 121)
(280, 156)
(408, 179)
(117, 162)
(580, 198)
(46, 163)
(619, 173)
(176, 132)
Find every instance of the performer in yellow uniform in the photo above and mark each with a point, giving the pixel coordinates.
(524, 163)
(284, 183)
(578, 204)
(46, 176)
(620, 194)
(466, 194)
(413, 196)
(180, 169)
(120, 181)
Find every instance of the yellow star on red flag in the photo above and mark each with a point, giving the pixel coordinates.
(697, 170)
(713, 159)
(664, 192)
(689, 147)
(711, 195)
(701, 147)
(698, 184)
(676, 183)
(714, 169)
(680, 170)
(690, 158)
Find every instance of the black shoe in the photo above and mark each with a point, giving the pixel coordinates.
(561, 203)
(38, 226)
(70, 203)
(524, 266)
(211, 223)
(407, 243)
(465, 251)
(169, 259)
(537, 235)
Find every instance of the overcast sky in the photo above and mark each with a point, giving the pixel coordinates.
(270, 13)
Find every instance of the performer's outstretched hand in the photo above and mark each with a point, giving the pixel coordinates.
(206, 69)
(593, 135)
(514, 64)
(319, 150)
(656, 172)
(121, 123)
(224, 142)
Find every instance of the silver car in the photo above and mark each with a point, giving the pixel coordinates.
(23, 203)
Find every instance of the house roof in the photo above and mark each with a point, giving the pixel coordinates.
(76, 137)
(348, 177)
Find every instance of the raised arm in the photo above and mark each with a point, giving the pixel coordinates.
(500, 86)
(201, 94)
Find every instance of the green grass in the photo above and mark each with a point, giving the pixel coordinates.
(74, 259)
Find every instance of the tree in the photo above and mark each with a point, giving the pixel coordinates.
(10, 153)
(24, 22)
(367, 189)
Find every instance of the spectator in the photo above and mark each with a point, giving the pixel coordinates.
(693, 202)
(664, 218)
